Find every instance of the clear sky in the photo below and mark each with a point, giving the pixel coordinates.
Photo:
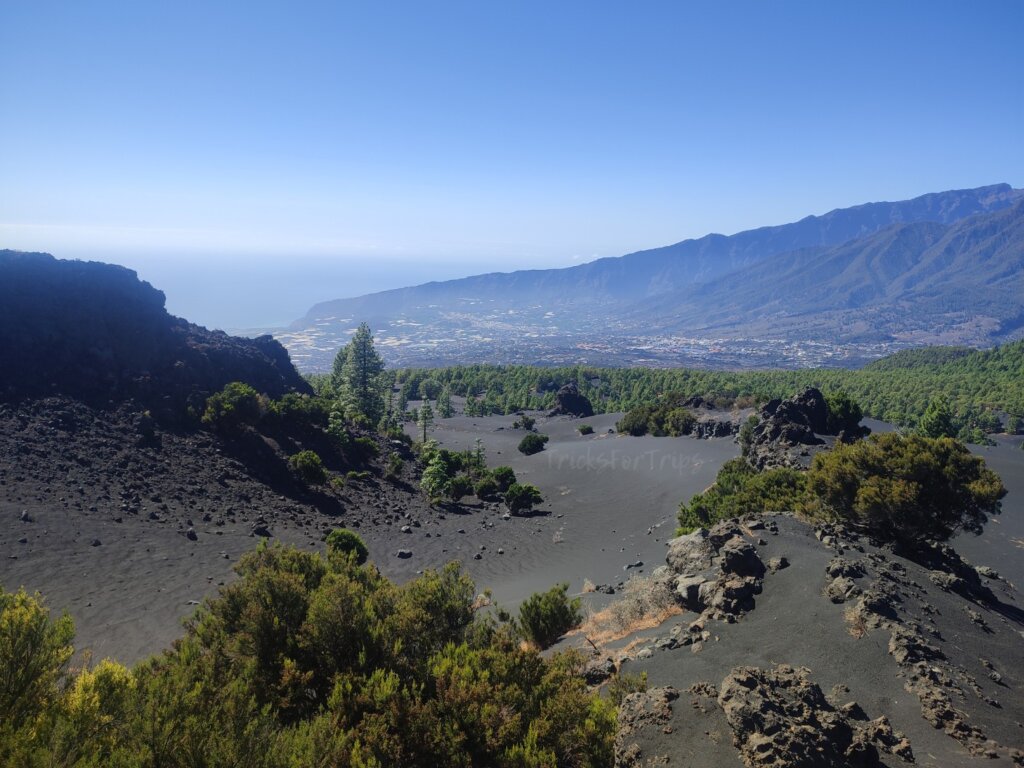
(332, 148)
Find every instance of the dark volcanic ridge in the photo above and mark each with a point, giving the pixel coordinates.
(96, 332)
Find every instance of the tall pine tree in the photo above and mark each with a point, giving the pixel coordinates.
(360, 376)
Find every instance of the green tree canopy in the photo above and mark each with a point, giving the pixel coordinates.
(360, 377)
(937, 420)
(904, 488)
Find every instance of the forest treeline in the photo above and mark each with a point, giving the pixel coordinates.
(984, 389)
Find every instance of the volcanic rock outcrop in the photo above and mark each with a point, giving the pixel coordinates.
(570, 402)
(787, 429)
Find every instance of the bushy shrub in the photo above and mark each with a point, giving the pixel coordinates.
(395, 465)
(293, 408)
(668, 418)
(309, 466)
(486, 489)
(524, 422)
(621, 685)
(739, 489)
(34, 650)
(546, 616)
(345, 542)
(844, 415)
(532, 443)
(585, 429)
(504, 477)
(363, 449)
(522, 498)
(905, 488)
(459, 486)
(305, 660)
(233, 406)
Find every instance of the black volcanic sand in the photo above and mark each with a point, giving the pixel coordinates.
(80, 476)
(609, 500)
(1001, 546)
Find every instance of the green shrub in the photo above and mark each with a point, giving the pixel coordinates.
(522, 498)
(235, 405)
(621, 685)
(486, 489)
(308, 660)
(844, 415)
(364, 448)
(532, 443)
(524, 422)
(293, 408)
(459, 486)
(668, 418)
(346, 542)
(739, 489)
(395, 465)
(353, 475)
(545, 616)
(585, 429)
(309, 466)
(504, 477)
(904, 488)
(34, 651)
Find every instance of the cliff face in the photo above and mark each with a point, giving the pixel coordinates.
(96, 332)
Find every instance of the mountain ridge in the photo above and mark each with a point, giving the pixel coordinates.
(838, 226)
(854, 284)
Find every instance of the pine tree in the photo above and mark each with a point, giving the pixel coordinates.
(338, 370)
(937, 420)
(361, 375)
(444, 403)
(426, 419)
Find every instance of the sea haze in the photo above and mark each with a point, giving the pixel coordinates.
(241, 294)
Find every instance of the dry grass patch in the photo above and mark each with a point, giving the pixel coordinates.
(855, 623)
(644, 603)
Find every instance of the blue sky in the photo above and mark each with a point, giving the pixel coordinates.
(340, 147)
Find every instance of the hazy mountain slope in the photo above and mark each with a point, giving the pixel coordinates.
(843, 288)
(660, 270)
(976, 264)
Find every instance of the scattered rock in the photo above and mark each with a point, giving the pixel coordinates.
(841, 589)
(404, 554)
(651, 709)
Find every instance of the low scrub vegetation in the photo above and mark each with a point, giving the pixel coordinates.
(546, 616)
(520, 498)
(904, 488)
(344, 542)
(532, 443)
(309, 466)
(308, 661)
(235, 405)
(666, 418)
(898, 488)
(740, 489)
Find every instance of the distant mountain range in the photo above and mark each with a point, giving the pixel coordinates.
(851, 285)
